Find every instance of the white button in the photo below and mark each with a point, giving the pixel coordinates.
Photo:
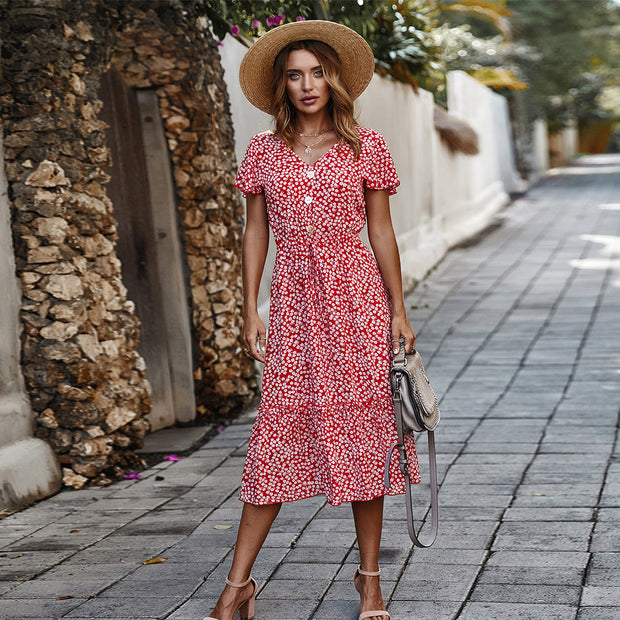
(310, 174)
(308, 199)
(310, 229)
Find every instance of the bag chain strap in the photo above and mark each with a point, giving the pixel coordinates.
(432, 461)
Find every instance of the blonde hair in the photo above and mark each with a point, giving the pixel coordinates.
(340, 106)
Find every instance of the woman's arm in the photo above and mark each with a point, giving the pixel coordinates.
(383, 243)
(255, 246)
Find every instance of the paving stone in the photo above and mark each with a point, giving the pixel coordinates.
(276, 609)
(601, 596)
(543, 536)
(423, 610)
(126, 607)
(179, 586)
(606, 537)
(531, 575)
(535, 559)
(431, 590)
(597, 613)
(25, 564)
(603, 577)
(527, 594)
(605, 560)
(289, 589)
(46, 589)
(608, 514)
(310, 571)
(37, 608)
(336, 610)
(512, 611)
(455, 513)
(548, 514)
(313, 555)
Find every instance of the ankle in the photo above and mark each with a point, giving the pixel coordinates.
(233, 582)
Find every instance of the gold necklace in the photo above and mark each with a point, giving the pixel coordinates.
(309, 147)
(313, 135)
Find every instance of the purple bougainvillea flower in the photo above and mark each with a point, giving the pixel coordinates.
(220, 43)
(301, 19)
(255, 23)
(132, 475)
(172, 457)
(234, 30)
(271, 22)
(281, 18)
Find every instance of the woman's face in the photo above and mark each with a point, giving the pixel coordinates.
(306, 85)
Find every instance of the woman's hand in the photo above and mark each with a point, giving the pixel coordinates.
(402, 329)
(255, 337)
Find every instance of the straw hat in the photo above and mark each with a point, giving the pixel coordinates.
(356, 57)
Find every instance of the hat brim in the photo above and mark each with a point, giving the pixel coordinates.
(356, 57)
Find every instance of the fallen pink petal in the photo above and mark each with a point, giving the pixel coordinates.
(172, 457)
(221, 428)
(132, 475)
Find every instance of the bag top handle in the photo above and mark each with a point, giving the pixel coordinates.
(399, 358)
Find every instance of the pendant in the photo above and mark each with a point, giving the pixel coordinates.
(308, 150)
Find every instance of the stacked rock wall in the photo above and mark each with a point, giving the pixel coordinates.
(85, 379)
(182, 64)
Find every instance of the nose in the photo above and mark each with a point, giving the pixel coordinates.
(307, 82)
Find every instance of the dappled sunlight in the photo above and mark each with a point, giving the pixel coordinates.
(609, 254)
(584, 170)
(589, 164)
(610, 243)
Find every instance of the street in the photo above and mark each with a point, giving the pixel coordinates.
(519, 334)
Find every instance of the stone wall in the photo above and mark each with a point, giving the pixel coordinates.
(182, 62)
(28, 468)
(85, 379)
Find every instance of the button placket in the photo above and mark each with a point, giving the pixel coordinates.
(309, 199)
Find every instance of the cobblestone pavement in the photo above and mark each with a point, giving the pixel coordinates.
(520, 335)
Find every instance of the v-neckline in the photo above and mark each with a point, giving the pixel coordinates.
(290, 150)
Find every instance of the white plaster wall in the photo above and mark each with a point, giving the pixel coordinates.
(28, 468)
(406, 121)
(481, 191)
(443, 198)
(512, 180)
(570, 142)
(539, 163)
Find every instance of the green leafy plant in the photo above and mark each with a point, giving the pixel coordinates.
(398, 32)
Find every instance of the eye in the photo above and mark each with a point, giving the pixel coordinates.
(318, 73)
(293, 76)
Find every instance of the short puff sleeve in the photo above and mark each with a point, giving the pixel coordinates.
(248, 178)
(378, 171)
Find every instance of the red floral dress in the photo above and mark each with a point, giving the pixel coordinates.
(326, 417)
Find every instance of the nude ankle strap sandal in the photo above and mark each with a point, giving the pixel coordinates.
(245, 609)
(376, 612)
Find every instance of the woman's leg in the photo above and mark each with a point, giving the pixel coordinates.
(368, 518)
(253, 529)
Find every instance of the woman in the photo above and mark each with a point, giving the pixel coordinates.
(326, 418)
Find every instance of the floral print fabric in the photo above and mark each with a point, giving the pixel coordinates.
(326, 419)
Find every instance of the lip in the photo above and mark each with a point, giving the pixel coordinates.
(309, 100)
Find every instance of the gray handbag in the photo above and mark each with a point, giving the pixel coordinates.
(416, 410)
